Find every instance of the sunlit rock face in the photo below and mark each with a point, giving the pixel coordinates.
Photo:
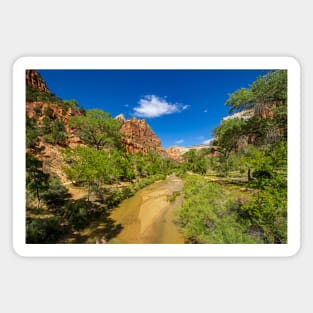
(34, 80)
(139, 137)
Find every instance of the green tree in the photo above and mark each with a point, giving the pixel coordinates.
(196, 162)
(32, 132)
(36, 179)
(228, 135)
(73, 103)
(267, 91)
(138, 164)
(266, 214)
(56, 195)
(97, 129)
(241, 99)
(55, 132)
(82, 166)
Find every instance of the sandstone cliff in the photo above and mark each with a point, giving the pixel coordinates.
(34, 80)
(176, 153)
(139, 137)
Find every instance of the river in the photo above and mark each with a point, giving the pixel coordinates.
(148, 217)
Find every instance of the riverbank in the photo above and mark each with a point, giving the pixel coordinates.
(145, 217)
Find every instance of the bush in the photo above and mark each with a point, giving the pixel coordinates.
(46, 230)
(78, 213)
(209, 216)
(267, 212)
(56, 195)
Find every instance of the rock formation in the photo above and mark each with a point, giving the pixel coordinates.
(34, 80)
(121, 118)
(245, 114)
(139, 137)
(176, 153)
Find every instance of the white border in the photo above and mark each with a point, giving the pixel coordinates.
(156, 250)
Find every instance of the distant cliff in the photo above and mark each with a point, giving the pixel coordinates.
(139, 137)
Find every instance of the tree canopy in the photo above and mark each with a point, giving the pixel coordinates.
(97, 128)
(267, 90)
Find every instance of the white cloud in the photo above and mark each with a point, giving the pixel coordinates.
(154, 106)
(179, 142)
(207, 141)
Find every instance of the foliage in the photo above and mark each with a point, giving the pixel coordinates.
(266, 91)
(97, 129)
(96, 167)
(32, 132)
(56, 195)
(35, 95)
(45, 230)
(271, 88)
(36, 179)
(54, 132)
(228, 134)
(76, 213)
(267, 213)
(241, 99)
(208, 215)
(73, 103)
(195, 161)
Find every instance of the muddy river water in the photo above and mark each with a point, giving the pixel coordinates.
(148, 216)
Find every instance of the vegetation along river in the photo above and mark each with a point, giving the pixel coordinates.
(146, 217)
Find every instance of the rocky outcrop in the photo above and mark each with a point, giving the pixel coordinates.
(245, 114)
(34, 80)
(121, 118)
(139, 137)
(41, 110)
(176, 153)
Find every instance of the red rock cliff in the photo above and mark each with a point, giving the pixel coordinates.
(34, 80)
(175, 153)
(139, 137)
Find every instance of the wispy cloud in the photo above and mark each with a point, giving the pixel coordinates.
(180, 141)
(153, 106)
(207, 141)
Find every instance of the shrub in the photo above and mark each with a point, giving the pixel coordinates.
(208, 215)
(78, 213)
(56, 195)
(46, 230)
(267, 212)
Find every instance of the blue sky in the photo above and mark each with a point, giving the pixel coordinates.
(181, 106)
